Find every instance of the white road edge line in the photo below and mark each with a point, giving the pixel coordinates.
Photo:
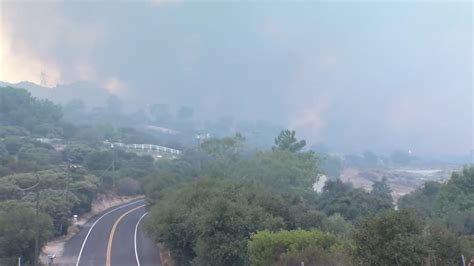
(135, 238)
(92, 227)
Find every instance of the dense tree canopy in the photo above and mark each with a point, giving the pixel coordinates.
(18, 108)
(18, 230)
(297, 247)
(211, 220)
(400, 238)
(208, 203)
(67, 174)
(221, 202)
(451, 204)
(351, 203)
(393, 238)
(422, 200)
(281, 170)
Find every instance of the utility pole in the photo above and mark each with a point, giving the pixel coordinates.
(113, 162)
(35, 260)
(37, 223)
(68, 178)
(66, 191)
(113, 167)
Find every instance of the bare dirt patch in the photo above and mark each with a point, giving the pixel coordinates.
(401, 182)
(165, 256)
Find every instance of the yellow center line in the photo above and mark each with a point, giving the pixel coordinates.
(112, 232)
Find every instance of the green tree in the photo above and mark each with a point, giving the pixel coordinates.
(225, 153)
(451, 204)
(337, 225)
(18, 108)
(17, 231)
(100, 160)
(331, 166)
(76, 153)
(294, 247)
(61, 193)
(422, 200)
(467, 245)
(228, 148)
(128, 187)
(444, 247)
(281, 170)
(455, 202)
(351, 203)
(41, 155)
(210, 221)
(382, 191)
(84, 189)
(7, 131)
(286, 140)
(391, 238)
(13, 144)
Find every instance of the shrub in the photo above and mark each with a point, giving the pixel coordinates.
(293, 247)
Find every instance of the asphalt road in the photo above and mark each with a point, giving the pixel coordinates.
(112, 238)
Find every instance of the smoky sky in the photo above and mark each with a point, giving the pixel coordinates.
(353, 75)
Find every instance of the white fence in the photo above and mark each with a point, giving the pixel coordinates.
(143, 147)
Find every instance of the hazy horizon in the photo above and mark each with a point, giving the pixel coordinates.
(356, 76)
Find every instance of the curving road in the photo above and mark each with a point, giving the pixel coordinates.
(112, 238)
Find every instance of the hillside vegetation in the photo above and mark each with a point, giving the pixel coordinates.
(221, 202)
